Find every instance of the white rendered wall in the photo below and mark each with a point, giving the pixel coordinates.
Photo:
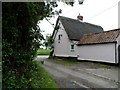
(98, 52)
(118, 43)
(63, 49)
(119, 14)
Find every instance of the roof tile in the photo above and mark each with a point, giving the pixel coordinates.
(103, 37)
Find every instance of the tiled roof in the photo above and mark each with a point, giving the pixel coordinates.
(76, 29)
(103, 37)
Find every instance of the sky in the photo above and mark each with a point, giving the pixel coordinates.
(98, 12)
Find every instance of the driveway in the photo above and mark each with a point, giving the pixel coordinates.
(75, 77)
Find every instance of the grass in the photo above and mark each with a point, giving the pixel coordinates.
(105, 66)
(64, 62)
(70, 62)
(43, 52)
(42, 79)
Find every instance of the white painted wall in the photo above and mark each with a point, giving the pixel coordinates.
(118, 43)
(63, 48)
(119, 14)
(98, 52)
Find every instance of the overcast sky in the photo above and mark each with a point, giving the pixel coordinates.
(99, 12)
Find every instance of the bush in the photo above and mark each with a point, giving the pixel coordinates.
(41, 79)
(21, 39)
(11, 81)
(51, 54)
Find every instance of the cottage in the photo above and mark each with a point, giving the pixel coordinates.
(69, 33)
(102, 47)
(85, 41)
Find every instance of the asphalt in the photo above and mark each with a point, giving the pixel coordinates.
(79, 77)
(111, 73)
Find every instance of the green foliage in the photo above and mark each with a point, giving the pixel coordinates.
(51, 54)
(48, 41)
(43, 52)
(21, 38)
(57, 27)
(41, 79)
(13, 82)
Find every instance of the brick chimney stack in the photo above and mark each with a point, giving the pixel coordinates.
(80, 18)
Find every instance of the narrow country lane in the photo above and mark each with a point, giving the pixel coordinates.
(68, 78)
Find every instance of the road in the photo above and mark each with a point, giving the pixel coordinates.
(68, 78)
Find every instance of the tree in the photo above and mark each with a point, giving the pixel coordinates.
(48, 41)
(21, 38)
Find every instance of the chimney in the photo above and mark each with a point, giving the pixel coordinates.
(80, 18)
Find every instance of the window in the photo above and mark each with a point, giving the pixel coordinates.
(72, 47)
(59, 37)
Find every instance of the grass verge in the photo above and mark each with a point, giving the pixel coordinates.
(42, 79)
(64, 62)
(105, 66)
(70, 62)
(43, 52)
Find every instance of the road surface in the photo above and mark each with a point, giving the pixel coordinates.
(68, 78)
